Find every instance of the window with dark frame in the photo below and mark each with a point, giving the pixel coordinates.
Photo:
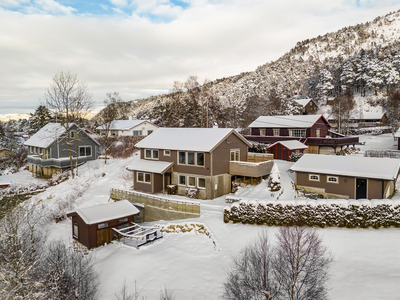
(85, 151)
(182, 180)
(200, 159)
(201, 183)
(191, 181)
(181, 157)
(190, 158)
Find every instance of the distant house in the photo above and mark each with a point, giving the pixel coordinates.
(348, 177)
(129, 128)
(312, 130)
(48, 149)
(364, 119)
(309, 106)
(283, 149)
(200, 159)
(92, 226)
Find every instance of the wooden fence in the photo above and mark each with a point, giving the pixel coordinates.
(382, 153)
(190, 207)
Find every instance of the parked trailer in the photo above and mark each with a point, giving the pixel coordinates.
(137, 235)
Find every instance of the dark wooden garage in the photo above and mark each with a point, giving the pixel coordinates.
(91, 226)
(283, 149)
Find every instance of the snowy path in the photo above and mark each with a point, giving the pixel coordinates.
(286, 180)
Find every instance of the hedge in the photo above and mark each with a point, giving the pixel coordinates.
(316, 213)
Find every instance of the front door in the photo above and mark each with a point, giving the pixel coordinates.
(361, 188)
(103, 236)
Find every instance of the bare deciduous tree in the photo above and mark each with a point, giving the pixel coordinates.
(296, 268)
(69, 99)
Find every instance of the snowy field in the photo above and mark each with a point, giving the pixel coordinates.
(366, 261)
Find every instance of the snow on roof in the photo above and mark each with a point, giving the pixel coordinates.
(370, 115)
(106, 212)
(46, 135)
(397, 134)
(295, 121)
(123, 124)
(303, 102)
(353, 166)
(189, 139)
(291, 145)
(151, 166)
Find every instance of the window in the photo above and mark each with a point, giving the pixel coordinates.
(85, 151)
(72, 134)
(313, 177)
(235, 155)
(318, 132)
(332, 179)
(297, 132)
(124, 220)
(276, 132)
(102, 225)
(147, 177)
(201, 183)
(137, 132)
(192, 181)
(151, 154)
(149, 132)
(76, 231)
(182, 180)
(200, 159)
(167, 152)
(181, 157)
(190, 158)
(262, 131)
(140, 176)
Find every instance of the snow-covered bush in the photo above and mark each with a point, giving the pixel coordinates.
(274, 182)
(191, 192)
(318, 213)
(295, 156)
(258, 147)
(58, 177)
(172, 189)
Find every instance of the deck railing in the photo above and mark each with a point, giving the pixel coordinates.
(191, 207)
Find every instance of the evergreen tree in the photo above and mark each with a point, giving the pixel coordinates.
(39, 118)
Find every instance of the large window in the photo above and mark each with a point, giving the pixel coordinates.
(276, 132)
(85, 151)
(235, 155)
(297, 132)
(191, 158)
(151, 154)
(137, 132)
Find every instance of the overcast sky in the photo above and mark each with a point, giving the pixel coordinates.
(139, 48)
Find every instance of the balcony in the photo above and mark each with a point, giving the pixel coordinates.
(250, 169)
(61, 163)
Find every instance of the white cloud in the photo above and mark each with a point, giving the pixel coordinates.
(135, 57)
(119, 3)
(53, 7)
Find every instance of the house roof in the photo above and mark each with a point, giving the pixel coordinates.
(48, 134)
(353, 166)
(295, 121)
(304, 102)
(397, 134)
(370, 115)
(123, 124)
(291, 145)
(106, 212)
(151, 166)
(189, 139)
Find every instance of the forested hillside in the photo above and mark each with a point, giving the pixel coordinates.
(362, 59)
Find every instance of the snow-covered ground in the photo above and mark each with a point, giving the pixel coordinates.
(366, 261)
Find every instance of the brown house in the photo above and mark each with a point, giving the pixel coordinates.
(283, 149)
(312, 130)
(348, 177)
(92, 226)
(202, 160)
(309, 106)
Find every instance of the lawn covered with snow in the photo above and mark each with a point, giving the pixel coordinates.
(366, 261)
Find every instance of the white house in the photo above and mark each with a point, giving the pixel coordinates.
(129, 128)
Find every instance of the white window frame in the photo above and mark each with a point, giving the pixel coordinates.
(102, 225)
(318, 132)
(187, 158)
(144, 177)
(275, 131)
(139, 133)
(196, 159)
(333, 177)
(263, 131)
(86, 147)
(198, 185)
(234, 151)
(167, 152)
(76, 231)
(291, 131)
(179, 180)
(177, 159)
(151, 154)
(313, 179)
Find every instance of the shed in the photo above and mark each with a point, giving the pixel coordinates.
(283, 149)
(349, 177)
(91, 226)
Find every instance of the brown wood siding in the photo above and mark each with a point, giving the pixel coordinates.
(221, 155)
(141, 186)
(374, 189)
(346, 185)
(158, 183)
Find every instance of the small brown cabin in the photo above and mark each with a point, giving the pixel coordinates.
(91, 226)
(283, 149)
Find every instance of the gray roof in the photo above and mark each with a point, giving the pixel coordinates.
(189, 139)
(295, 121)
(123, 124)
(291, 145)
(352, 166)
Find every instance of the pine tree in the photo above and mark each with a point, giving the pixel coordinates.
(39, 118)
